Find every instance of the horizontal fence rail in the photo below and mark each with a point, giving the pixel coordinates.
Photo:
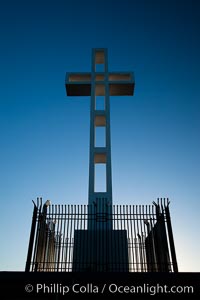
(121, 238)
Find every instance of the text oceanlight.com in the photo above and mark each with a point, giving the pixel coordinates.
(113, 288)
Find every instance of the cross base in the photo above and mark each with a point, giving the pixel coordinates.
(100, 251)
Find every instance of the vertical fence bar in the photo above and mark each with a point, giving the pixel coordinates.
(70, 237)
(131, 239)
(64, 239)
(61, 239)
(171, 239)
(87, 234)
(141, 239)
(143, 236)
(31, 240)
(135, 262)
(67, 239)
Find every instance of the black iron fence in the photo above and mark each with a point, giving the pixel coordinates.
(68, 238)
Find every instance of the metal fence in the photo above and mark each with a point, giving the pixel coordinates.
(63, 240)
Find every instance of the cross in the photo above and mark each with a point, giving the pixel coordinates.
(100, 84)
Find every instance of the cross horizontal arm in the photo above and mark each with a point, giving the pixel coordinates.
(120, 83)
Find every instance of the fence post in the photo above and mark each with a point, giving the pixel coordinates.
(31, 240)
(171, 239)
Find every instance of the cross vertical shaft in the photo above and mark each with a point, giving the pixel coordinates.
(100, 85)
(100, 117)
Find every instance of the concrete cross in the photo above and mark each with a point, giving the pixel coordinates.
(100, 85)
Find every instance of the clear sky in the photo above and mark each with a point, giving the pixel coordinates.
(44, 141)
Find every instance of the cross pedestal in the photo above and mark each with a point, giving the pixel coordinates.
(99, 84)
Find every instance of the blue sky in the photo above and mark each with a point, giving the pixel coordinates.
(44, 142)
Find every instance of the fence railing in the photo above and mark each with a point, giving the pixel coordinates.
(122, 238)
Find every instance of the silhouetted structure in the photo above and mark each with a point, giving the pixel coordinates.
(101, 237)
